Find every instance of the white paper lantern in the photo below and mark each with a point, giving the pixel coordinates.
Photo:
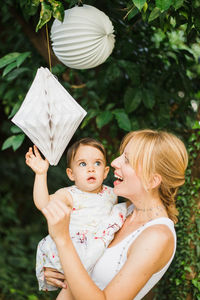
(49, 115)
(85, 39)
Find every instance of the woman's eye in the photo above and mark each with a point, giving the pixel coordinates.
(82, 164)
(97, 163)
(126, 160)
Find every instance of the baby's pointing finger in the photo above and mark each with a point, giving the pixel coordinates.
(37, 153)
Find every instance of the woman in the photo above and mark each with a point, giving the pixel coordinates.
(148, 172)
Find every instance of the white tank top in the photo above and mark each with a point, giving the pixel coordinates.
(114, 258)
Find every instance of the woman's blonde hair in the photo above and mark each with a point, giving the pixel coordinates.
(159, 152)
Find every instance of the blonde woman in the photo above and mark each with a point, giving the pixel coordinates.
(148, 173)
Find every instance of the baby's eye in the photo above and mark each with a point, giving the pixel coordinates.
(97, 163)
(82, 164)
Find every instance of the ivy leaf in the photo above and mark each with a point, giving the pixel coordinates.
(104, 118)
(132, 99)
(58, 9)
(13, 141)
(45, 15)
(8, 58)
(122, 120)
(139, 3)
(154, 14)
(163, 4)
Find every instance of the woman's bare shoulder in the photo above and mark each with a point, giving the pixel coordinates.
(156, 242)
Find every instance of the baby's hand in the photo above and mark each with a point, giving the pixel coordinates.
(36, 162)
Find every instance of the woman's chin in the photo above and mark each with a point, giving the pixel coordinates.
(117, 190)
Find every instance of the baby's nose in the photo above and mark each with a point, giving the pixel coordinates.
(91, 168)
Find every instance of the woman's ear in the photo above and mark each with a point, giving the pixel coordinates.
(70, 174)
(156, 181)
(106, 171)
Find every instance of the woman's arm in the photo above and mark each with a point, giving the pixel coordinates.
(147, 255)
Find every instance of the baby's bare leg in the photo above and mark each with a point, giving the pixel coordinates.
(65, 294)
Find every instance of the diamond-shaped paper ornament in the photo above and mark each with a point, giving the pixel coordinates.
(49, 115)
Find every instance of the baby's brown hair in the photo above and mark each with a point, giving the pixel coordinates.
(85, 142)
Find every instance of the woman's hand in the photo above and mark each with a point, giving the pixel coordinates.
(57, 214)
(55, 278)
(36, 162)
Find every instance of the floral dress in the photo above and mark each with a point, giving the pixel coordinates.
(95, 218)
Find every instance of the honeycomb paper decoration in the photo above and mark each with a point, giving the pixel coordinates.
(84, 39)
(49, 115)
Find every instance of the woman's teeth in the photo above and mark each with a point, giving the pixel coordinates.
(118, 177)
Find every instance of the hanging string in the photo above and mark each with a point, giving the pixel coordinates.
(48, 47)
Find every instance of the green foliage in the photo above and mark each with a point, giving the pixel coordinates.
(50, 8)
(148, 71)
(163, 4)
(139, 3)
(12, 69)
(13, 141)
(21, 227)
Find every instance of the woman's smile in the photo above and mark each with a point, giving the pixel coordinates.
(118, 179)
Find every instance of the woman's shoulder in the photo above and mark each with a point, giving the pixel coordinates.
(156, 242)
(158, 232)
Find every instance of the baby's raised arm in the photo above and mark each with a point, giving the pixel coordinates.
(40, 167)
(41, 195)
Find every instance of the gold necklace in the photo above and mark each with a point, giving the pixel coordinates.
(160, 207)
